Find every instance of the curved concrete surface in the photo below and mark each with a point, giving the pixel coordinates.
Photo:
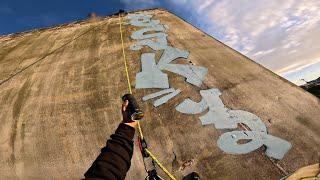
(60, 92)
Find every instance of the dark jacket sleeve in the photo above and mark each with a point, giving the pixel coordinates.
(115, 159)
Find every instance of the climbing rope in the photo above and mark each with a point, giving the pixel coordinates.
(126, 69)
(130, 91)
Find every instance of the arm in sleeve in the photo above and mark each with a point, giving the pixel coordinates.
(115, 159)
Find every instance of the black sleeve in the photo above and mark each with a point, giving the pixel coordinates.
(115, 159)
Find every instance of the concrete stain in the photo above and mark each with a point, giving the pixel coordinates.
(23, 95)
(305, 121)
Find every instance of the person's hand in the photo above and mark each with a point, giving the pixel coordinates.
(125, 116)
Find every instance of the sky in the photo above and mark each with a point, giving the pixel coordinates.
(283, 36)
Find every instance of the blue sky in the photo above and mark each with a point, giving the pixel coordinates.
(21, 15)
(283, 36)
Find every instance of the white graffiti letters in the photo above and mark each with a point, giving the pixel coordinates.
(224, 118)
(254, 136)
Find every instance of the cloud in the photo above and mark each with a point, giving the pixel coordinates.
(296, 67)
(204, 5)
(304, 73)
(284, 36)
(262, 53)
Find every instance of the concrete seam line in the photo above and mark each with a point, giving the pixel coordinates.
(48, 54)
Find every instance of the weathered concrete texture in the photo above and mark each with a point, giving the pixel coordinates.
(60, 97)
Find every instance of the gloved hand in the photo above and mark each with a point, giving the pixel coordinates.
(125, 116)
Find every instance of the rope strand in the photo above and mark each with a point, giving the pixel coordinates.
(124, 56)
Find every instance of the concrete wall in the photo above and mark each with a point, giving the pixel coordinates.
(60, 92)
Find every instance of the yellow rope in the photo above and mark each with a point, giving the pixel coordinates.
(124, 56)
(127, 72)
(130, 91)
(159, 164)
(140, 131)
